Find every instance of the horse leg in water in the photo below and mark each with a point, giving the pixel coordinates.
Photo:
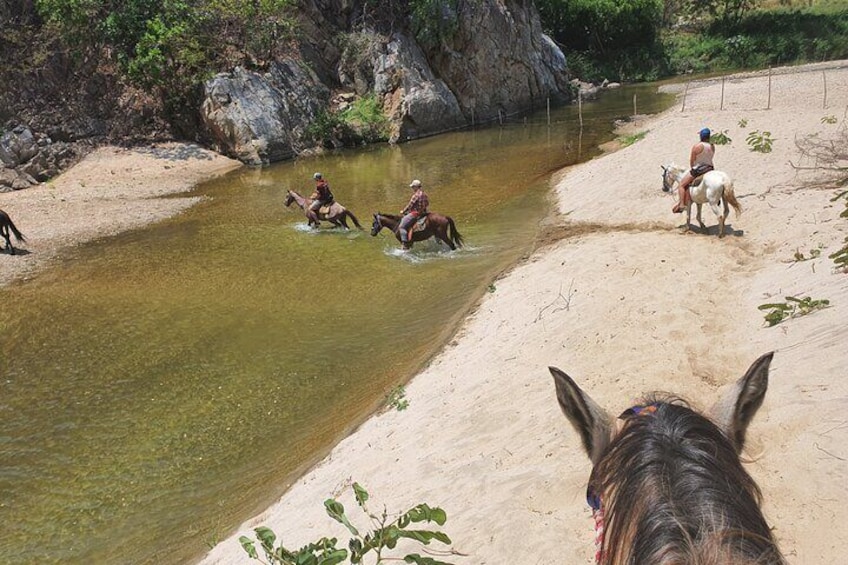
(442, 234)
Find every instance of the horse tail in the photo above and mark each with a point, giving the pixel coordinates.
(454, 235)
(18, 235)
(730, 196)
(349, 214)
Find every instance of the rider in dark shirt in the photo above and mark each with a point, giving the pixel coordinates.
(321, 197)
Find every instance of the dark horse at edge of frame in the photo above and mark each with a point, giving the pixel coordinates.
(335, 213)
(6, 225)
(442, 227)
(667, 484)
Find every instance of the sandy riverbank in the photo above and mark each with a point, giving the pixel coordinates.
(110, 191)
(625, 304)
(615, 296)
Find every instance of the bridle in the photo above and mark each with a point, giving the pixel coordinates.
(667, 183)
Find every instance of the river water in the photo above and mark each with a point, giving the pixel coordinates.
(159, 387)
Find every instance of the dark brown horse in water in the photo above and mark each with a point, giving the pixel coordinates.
(442, 227)
(336, 214)
(667, 485)
(6, 225)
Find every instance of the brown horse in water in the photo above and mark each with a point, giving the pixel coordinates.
(336, 214)
(6, 225)
(442, 227)
(667, 486)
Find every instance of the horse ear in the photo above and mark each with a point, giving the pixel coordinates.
(590, 420)
(740, 402)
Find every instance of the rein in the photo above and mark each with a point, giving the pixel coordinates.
(593, 498)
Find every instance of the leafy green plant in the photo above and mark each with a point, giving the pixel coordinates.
(743, 123)
(840, 257)
(628, 140)
(720, 138)
(792, 308)
(491, 288)
(760, 142)
(384, 536)
(397, 399)
(829, 120)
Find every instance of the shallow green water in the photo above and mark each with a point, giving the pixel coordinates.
(159, 387)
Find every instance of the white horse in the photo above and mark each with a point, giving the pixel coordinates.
(713, 187)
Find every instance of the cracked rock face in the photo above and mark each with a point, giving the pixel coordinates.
(498, 62)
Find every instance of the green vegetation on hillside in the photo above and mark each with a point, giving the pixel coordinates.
(168, 46)
(632, 40)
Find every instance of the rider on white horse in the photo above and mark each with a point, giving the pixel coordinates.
(700, 162)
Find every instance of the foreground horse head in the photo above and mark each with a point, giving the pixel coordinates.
(714, 188)
(667, 485)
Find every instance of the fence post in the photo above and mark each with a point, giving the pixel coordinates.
(500, 116)
(721, 106)
(580, 109)
(549, 110)
(635, 113)
(824, 81)
(768, 104)
(685, 92)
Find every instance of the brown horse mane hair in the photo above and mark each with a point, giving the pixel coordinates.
(674, 492)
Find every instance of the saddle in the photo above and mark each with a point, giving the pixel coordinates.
(419, 224)
(329, 209)
(700, 171)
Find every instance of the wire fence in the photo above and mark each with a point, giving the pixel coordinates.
(825, 86)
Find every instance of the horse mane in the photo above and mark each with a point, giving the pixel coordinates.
(674, 492)
(391, 216)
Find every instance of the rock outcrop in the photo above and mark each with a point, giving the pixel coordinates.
(495, 63)
(27, 158)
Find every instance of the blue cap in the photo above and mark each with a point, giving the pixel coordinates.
(704, 133)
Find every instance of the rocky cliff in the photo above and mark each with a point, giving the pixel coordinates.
(492, 61)
(495, 62)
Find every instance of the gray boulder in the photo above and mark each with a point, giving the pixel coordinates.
(261, 118)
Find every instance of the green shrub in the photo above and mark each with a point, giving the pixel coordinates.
(760, 142)
(720, 138)
(383, 537)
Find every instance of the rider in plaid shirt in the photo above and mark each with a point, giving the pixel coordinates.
(417, 207)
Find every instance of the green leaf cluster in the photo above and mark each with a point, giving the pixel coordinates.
(720, 138)
(760, 142)
(384, 536)
(840, 257)
(793, 307)
(397, 399)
